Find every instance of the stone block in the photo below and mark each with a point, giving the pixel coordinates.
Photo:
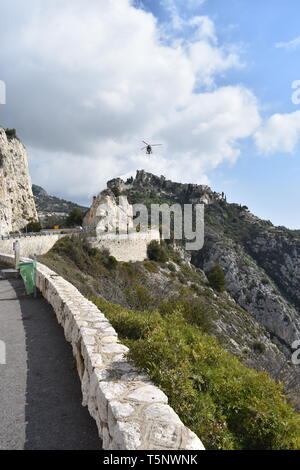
(148, 394)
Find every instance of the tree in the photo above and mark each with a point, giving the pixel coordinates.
(75, 217)
(216, 278)
(33, 226)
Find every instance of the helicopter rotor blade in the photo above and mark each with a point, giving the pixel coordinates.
(156, 145)
(143, 148)
(145, 142)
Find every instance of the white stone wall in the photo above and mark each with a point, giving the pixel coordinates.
(30, 246)
(130, 412)
(131, 247)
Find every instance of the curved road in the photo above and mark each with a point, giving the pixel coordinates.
(40, 395)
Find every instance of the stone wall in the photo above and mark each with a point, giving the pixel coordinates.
(31, 245)
(131, 247)
(130, 412)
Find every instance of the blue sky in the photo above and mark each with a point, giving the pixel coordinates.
(269, 185)
(210, 79)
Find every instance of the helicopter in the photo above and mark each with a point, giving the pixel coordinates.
(149, 147)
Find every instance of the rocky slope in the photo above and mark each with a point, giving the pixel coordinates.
(17, 205)
(261, 265)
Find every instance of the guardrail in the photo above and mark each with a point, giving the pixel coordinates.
(27, 235)
(13, 236)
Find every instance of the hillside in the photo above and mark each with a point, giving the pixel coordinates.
(52, 210)
(254, 321)
(192, 341)
(261, 262)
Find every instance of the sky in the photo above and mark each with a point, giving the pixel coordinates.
(216, 82)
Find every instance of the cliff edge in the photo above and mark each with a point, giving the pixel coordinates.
(17, 204)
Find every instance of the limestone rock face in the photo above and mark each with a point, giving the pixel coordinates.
(17, 205)
(108, 213)
(148, 186)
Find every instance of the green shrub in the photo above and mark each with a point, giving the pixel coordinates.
(228, 405)
(75, 217)
(216, 278)
(128, 326)
(139, 297)
(11, 133)
(111, 262)
(258, 347)
(156, 252)
(151, 266)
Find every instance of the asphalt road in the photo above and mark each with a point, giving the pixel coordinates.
(40, 396)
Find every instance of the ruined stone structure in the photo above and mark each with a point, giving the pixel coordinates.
(112, 218)
(17, 205)
(109, 213)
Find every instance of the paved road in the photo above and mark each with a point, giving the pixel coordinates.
(40, 396)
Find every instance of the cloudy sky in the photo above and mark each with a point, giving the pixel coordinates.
(211, 80)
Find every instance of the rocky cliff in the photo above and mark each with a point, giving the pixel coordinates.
(17, 205)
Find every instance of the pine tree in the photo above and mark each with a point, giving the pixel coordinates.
(216, 278)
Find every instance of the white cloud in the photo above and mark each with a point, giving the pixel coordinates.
(289, 45)
(177, 8)
(208, 61)
(88, 81)
(280, 133)
(205, 28)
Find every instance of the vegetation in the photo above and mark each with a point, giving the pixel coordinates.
(75, 217)
(116, 191)
(11, 133)
(157, 252)
(216, 278)
(258, 347)
(33, 226)
(228, 405)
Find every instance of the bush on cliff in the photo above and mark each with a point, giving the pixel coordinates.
(227, 404)
(156, 252)
(11, 133)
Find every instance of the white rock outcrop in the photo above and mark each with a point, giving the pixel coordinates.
(17, 205)
(109, 213)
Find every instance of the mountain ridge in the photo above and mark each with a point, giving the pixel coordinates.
(52, 210)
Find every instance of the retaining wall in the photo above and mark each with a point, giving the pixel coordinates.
(30, 245)
(131, 247)
(130, 412)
